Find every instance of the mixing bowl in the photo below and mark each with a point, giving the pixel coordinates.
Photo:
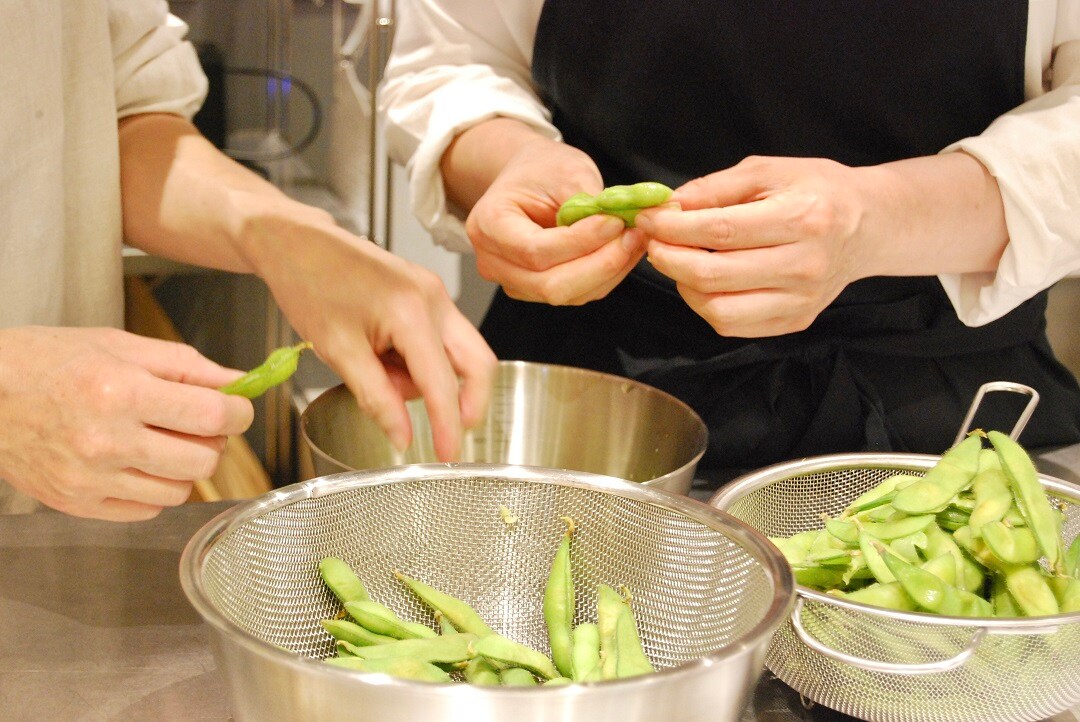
(708, 591)
(558, 417)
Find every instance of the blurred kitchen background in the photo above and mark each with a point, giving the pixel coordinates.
(291, 97)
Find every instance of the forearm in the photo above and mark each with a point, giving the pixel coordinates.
(184, 199)
(475, 157)
(932, 215)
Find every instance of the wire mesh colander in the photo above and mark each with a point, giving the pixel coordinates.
(878, 664)
(708, 591)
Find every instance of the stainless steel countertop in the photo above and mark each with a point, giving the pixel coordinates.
(94, 626)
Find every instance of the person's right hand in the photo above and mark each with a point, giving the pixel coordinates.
(106, 424)
(512, 229)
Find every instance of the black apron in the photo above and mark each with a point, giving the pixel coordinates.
(676, 90)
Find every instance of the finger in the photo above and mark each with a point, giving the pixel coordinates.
(431, 371)
(574, 281)
(746, 181)
(173, 361)
(753, 314)
(134, 485)
(110, 510)
(170, 455)
(193, 410)
(769, 222)
(475, 364)
(522, 243)
(604, 289)
(720, 272)
(376, 396)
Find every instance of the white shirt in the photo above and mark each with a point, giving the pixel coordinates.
(454, 65)
(69, 70)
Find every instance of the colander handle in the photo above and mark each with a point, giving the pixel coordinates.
(874, 665)
(986, 388)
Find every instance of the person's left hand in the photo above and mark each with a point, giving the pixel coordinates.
(760, 249)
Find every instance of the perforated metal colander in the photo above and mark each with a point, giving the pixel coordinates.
(708, 590)
(889, 666)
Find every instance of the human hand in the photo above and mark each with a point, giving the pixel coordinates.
(760, 249)
(386, 326)
(512, 229)
(106, 424)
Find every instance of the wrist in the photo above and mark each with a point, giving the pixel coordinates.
(261, 226)
(474, 159)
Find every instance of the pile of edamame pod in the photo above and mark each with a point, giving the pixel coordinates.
(370, 637)
(976, 536)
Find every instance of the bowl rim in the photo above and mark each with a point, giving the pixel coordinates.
(701, 440)
(748, 483)
(767, 555)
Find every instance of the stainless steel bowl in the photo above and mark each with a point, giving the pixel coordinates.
(708, 591)
(557, 417)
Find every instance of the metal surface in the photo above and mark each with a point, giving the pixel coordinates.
(879, 664)
(709, 591)
(557, 417)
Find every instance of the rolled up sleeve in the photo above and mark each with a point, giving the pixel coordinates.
(451, 68)
(156, 69)
(1034, 153)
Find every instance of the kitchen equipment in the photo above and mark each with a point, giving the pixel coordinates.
(557, 417)
(708, 590)
(884, 665)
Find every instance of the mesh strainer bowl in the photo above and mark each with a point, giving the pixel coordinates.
(878, 664)
(709, 591)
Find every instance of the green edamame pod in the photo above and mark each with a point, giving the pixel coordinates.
(381, 619)
(445, 625)
(942, 567)
(1000, 599)
(952, 474)
(874, 562)
(1072, 558)
(632, 660)
(444, 649)
(992, 496)
(557, 682)
(559, 604)
(585, 656)
(342, 580)
(932, 594)
(1067, 592)
(518, 677)
(346, 631)
(576, 207)
(514, 654)
(482, 672)
(880, 494)
(890, 596)
(276, 369)
(608, 608)
(461, 615)
(1031, 497)
(1031, 591)
(1011, 545)
(400, 667)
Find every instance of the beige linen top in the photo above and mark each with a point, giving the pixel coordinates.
(69, 70)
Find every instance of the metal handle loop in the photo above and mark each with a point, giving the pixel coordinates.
(1000, 386)
(874, 665)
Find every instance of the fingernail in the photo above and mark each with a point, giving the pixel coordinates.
(633, 239)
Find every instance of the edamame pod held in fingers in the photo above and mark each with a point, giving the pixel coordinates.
(278, 367)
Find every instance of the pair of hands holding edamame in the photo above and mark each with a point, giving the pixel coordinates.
(758, 249)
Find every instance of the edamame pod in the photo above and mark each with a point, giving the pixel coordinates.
(1031, 591)
(585, 657)
(1010, 545)
(400, 667)
(342, 580)
(559, 604)
(381, 619)
(576, 207)
(1031, 497)
(482, 672)
(608, 608)
(347, 631)
(461, 615)
(632, 660)
(518, 677)
(276, 369)
(947, 478)
(622, 201)
(514, 654)
(445, 649)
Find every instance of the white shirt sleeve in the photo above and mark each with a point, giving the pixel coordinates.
(452, 67)
(1034, 153)
(156, 70)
